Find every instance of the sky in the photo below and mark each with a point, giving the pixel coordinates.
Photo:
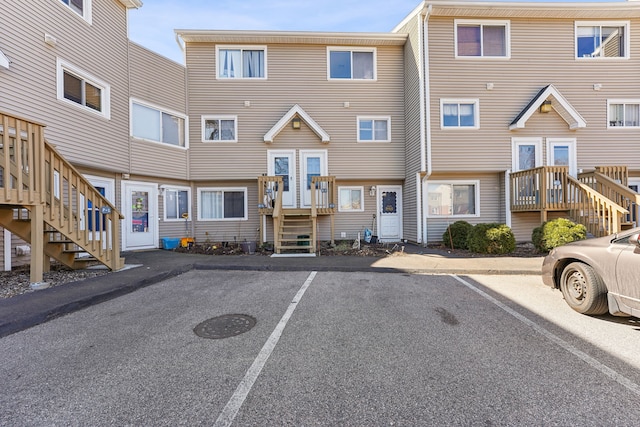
(152, 25)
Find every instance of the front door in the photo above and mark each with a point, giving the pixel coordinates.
(562, 152)
(389, 213)
(312, 163)
(527, 153)
(140, 229)
(283, 163)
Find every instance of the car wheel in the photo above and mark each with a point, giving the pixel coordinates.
(583, 289)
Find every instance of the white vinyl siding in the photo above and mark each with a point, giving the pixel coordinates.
(79, 88)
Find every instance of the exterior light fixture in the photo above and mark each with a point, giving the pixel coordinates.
(295, 123)
(372, 191)
(546, 107)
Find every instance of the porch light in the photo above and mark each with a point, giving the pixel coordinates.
(295, 123)
(545, 107)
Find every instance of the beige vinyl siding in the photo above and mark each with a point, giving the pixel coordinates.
(297, 74)
(542, 53)
(491, 202)
(29, 86)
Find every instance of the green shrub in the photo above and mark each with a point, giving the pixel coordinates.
(556, 233)
(491, 238)
(456, 235)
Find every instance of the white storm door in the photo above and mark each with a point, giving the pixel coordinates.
(527, 153)
(312, 163)
(389, 213)
(140, 206)
(562, 152)
(95, 222)
(283, 163)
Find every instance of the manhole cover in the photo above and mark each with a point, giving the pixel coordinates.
(228, 325)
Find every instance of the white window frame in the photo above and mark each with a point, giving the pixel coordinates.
(185, 119)
(246, 207)
(218, 117)
(627, 44)
(516, 142)
(571, 143)
(351, 188)
(475, 183)
(387, 119)
(240, 48)
(177, 188)
(623, 102)
(481, 23)
(476, 116)
(352, 49)
(105, 95)
(86, 10)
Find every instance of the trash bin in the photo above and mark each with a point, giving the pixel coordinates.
(305, 242)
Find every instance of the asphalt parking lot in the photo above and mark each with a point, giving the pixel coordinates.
(328, 348)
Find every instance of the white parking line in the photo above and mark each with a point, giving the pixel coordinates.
(234, 404)
(616, 376)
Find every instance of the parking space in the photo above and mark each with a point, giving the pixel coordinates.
(353, 349)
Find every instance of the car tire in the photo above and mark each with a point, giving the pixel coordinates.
(583, 289)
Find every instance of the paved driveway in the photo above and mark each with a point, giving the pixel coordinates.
(327, 349)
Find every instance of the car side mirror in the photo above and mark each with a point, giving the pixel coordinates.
(634, 239)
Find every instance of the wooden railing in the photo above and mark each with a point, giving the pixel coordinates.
(616, 173)
(614, 189)
(324, 194)
(551, 188)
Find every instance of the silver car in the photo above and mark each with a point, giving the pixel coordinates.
(598, 275)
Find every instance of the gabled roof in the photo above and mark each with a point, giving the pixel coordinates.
(296, 110)
(558, 103)
(4, 61)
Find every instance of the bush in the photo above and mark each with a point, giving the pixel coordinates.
(491, 238)
(456, 234)
(556, 233)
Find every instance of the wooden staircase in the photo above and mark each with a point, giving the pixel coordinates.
(47, 203)
(296, 233)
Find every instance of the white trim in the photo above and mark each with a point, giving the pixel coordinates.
(241, 48)
(293, 174)
(204, 118)
(109, 185)
(352, 49)
(351, 187)
(86, 10)
(105, 98)
(7, 250)
(284, 121)
(476, 113)
(627, 36)
(163, 191)
(185, 124)
(573, 155)
(223, 189)
(399, 212)
(550, 91)
(515, 142)
(623, 102)
(154, 218)
(324, 168)
(507, 197)
(481, 22)
(474, 182)
(373, 129)
(4, 61)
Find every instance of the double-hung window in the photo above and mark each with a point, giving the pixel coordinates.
(80, 88)
(81, 7)
(459, 114)
(350, 199)
(220, 204)
(351, 63)
(457, 198)
(177, 201)
(623, 113)
(158, 125)
(219, 128)
(374, 129)
(246, 62)
(602, 39)
(482, 39)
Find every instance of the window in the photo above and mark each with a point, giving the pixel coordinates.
(81, 7)
(247, 62)
(219, 128)
(459, 114)
(602, 39)
(177, 201)
(453, 198)
(80, 88)
(356, 64)
(222, 204)
(486, 39)
(623, 113)
(153, 124)
(350, 199)
(374, 129)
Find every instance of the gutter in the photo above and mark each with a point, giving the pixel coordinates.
(425, 115)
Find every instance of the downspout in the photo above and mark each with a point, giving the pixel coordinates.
(425, 114)
(7, 250)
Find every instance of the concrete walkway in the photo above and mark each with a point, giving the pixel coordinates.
(149, 267)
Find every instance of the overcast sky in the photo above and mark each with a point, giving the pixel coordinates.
(152, 25)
